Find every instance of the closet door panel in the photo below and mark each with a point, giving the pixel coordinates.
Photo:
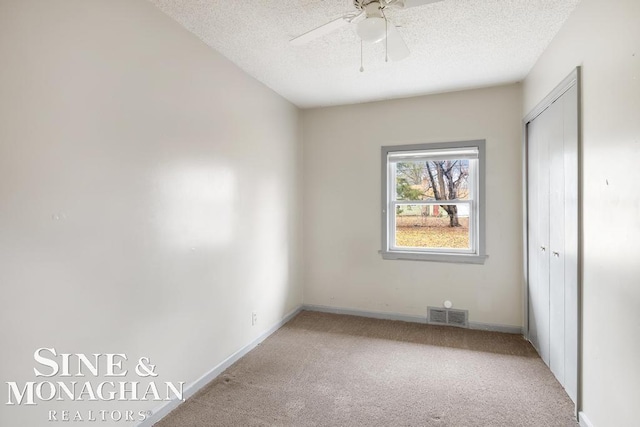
(556, 240)
(542, 233)
(533, 201)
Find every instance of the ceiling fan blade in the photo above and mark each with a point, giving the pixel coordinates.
(397, 49)
(406, 4)
(323, 30)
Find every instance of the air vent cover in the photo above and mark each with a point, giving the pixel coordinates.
(438, 315)
(448, 316)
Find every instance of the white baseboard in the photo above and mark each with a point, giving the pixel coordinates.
(506, 329)
(584, 421)
(364, 313)
(163, 410)
(407, 318)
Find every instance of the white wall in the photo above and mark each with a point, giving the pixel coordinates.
(342, 267)
(148, 194)
(604, 37)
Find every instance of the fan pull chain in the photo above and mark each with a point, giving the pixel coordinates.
(361, 60)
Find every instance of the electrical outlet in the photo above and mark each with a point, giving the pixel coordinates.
(254, 318)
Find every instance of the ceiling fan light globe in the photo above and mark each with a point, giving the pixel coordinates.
(372, 29)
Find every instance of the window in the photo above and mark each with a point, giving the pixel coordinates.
(433, 202)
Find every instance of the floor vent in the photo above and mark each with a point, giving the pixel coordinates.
(448, 316)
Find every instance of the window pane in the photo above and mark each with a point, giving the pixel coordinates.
(433, 180)
(432, 226)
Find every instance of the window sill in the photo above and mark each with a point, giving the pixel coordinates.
(433, 257)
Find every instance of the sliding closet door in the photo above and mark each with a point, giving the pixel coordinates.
(538, 159)
(552, 188)
(555, 120)
(532, 249)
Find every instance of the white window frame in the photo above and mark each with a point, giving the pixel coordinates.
(476, 202)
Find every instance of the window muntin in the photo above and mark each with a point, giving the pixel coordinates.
(431, 201)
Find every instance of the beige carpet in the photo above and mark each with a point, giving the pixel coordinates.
(333, 370)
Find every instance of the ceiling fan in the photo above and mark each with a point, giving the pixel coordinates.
(372, 25)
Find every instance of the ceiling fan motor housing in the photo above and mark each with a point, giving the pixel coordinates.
(371, 8)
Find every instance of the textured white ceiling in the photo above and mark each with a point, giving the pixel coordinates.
(455, 44)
